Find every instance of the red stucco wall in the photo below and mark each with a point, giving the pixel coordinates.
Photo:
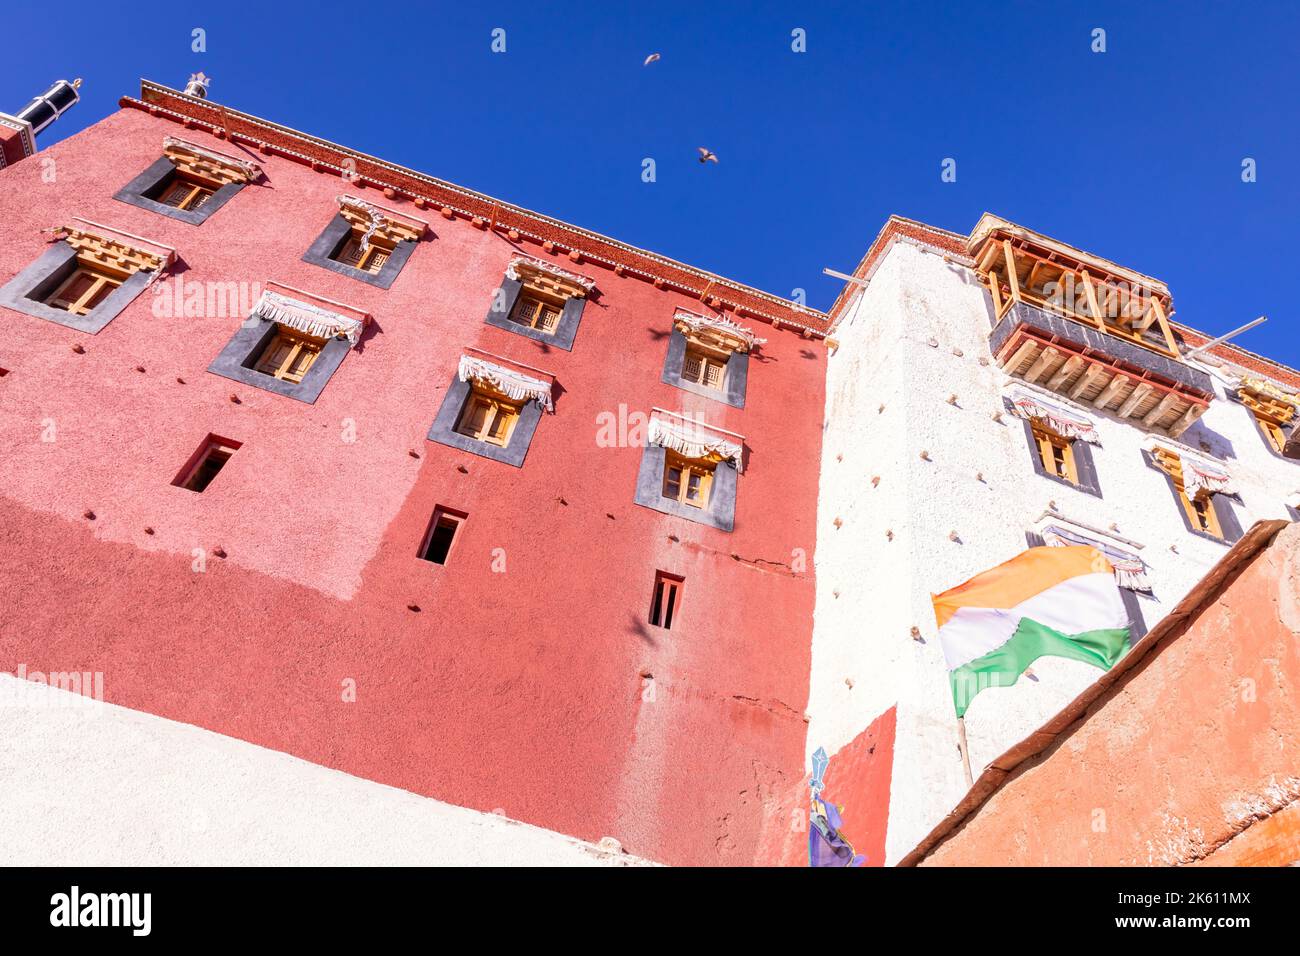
(1193, 756)
(520, 690)
(857, 780)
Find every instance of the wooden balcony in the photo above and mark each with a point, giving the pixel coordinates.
(1086, 327)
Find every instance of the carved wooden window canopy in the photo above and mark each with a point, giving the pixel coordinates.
(112, 251)
(208, 164)
(549, 279)
(715, 333)
(377, 222)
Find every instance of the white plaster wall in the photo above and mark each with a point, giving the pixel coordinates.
(900, 347)
(101, 785)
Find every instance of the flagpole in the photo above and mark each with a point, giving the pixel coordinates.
(965, 751)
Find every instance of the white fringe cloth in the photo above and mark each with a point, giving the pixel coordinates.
(718, 325)
(1130, 570)
(694, 440)
(541, 265)
(310, 319)
(1067, 424)
(512, 384)
(1199, 474)
(373, 215)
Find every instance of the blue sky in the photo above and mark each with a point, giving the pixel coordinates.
(1134, 154)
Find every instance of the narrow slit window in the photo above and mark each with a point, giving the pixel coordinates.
(206, 463)
(441, 535)
(666, 600)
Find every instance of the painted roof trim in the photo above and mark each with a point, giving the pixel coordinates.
(274, 139)
(896, 227)
(1173, 626)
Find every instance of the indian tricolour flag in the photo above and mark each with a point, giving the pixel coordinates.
(1059, 602)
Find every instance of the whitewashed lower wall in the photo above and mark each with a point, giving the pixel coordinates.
(101, 785)
(915, 338)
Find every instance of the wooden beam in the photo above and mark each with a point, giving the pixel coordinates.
(1033, 274)
(1068, 368)
(1110, 391)
(1013, 283)
(1183, 423)
(1146, 318)
(1086, 379)
(1135, 397)
(986, 257)
(1158, 412)
(1170, 341)
(995, 289)
(1014, 362)
(1045, 358)
(1091, 294)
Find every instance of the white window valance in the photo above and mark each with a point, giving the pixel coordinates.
(509, 382)
(579, 285)
(307, 318)
(730, 334)
(1200, 475)
(694, 439)
(1130, 570)
(1065, 422)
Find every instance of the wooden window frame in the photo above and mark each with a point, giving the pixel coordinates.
(539, 302)
(1048, 444)
(1204, 519)
(199, 192)
(707, 359)
(692, 474)
(498, 408)
(299, 341)
(368, 261)
(102, 281)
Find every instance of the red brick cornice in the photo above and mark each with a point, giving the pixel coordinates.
(483, 211)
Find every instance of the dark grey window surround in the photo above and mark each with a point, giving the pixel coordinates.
(1137, 621)
(24, 292)
(329, 242)
(241, 353)
(1130, 597)
(561, 338)
(1221, 502)
(444, 431)
(721, 512)
(141, 190)
(1087, 468)
(737, 377)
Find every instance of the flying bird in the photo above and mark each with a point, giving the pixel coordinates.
(707, 155)
(650, 59)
